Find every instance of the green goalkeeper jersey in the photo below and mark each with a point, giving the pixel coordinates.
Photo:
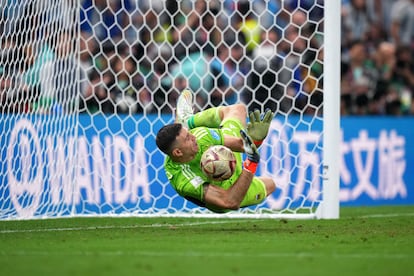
(188, 179)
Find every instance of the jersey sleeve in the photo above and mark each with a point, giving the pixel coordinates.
(188, 179)
(207, 137)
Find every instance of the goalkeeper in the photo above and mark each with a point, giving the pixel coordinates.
(185, 141)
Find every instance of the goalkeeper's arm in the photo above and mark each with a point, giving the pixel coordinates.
(216, 197)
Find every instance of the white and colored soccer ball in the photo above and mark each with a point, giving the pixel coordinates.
(218, 163)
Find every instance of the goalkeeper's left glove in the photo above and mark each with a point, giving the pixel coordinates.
(253, 156)
(258, 127)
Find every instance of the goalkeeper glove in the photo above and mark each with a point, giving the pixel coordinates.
(253, 156)
(257, 127)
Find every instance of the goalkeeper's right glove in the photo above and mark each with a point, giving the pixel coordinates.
(253, 156)
(259, 124)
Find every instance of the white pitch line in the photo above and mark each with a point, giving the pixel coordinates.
(387, 256)
(388, 215)
(157, 225)
(166, 225)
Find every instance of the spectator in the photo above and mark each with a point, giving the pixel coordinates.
(227, 76)
(266, 91)
(404, 77)
(157, 79)
(358, 80)
(402, 22)
(10, 98)
(384, 59)
(65, 71)
(356, 21)
(246, 23)
(183, 40)
(96, 96)
(375, 36)
(197, 28)
(105, 19)
(35, 63)
(127, 87)
(194, 68)
(382, 10)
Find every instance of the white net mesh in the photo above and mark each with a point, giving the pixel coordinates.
(85, 87)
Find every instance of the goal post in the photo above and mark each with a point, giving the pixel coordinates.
(85, 86)
(329, 208)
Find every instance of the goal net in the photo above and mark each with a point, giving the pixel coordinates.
(85, 86)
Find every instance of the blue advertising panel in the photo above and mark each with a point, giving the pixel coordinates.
(95, 165)
(377, 161)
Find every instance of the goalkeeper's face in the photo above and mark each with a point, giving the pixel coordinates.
(186, 146)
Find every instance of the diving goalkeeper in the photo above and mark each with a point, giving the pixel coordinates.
(185, 141)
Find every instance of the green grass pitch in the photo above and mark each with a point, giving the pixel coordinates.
(364, 241)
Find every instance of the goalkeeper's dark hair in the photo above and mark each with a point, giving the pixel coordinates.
(166, 137)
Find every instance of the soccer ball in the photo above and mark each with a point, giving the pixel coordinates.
(218, 163)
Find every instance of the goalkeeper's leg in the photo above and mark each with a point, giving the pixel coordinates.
(214, 117)
(207, 118)
(234, 112)
(260, 188)
(185, 115)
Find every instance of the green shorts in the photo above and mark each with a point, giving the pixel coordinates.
(257, 190)
(255, 194)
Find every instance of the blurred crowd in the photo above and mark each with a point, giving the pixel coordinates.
(377, 74)
(135, 56)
